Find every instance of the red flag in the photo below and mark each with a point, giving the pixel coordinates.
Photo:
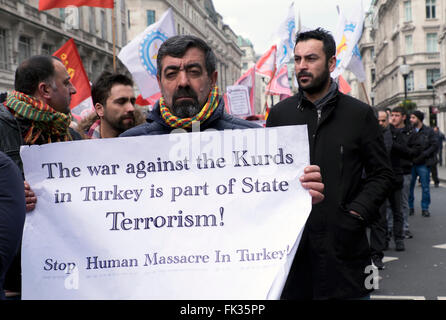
(266, 65)
(343, 85)
(50, 4)
(70, 58)
(248, 80)
(280, 85)
(150, 101)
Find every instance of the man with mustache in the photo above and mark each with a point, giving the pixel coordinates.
(114, 103)
(36, 112)
(187, 77)
(347, 144)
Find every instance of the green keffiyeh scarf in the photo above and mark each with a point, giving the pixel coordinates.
(203, 115)
(46, 122)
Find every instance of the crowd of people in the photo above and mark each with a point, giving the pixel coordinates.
(414, 150)
(356, 165)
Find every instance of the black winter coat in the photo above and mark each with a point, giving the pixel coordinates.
(401, 150)
(334, 252)
(426, 142)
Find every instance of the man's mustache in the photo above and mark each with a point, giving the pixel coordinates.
(304, 73)
(185, 93)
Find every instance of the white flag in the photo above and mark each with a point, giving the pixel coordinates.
(356, 66)
(347, 36)
(286, 33)
(139, 56)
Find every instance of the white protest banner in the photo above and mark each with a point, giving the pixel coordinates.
(203, 215)
(238, 99)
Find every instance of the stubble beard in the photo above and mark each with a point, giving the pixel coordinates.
(317, 84)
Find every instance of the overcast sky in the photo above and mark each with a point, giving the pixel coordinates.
(257, 20)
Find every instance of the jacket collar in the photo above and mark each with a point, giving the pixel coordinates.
(331, 97)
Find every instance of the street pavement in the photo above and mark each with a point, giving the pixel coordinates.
(419, 272)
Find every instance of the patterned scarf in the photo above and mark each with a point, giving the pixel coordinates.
(95, 130)
(47, 123)
(203, 115)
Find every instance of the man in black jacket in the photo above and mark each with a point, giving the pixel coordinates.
(36, 112)
(401, 137)
(345, 139)
(424, 140)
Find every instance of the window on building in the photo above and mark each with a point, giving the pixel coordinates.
(47, 49)
(432, 75)
(3, 51)
(372, 52)
(245, 65)
(103, 25)
(128, 18)
(150, 17)
(407, 11)
(124, 34)
(409, 44)
(373, 75)
(430, 9)
(410, 82)
(62, 13)
(92, 21)
(431, 42)
(95, 69)
(24, 48)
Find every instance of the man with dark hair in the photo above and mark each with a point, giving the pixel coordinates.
(187, 78)
(36, 112)
(401, 137)
(380, 234)
(114, 102)
(333, 257)
(424, 140)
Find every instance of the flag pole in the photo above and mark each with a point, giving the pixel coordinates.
(114, 36)
(365, 93)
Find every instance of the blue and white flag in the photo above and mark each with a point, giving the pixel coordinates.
(347, 35)
(356, 66)
(139, 55)
(286, 34)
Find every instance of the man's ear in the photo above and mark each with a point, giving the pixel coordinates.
(214, 77)
(43, 91)
(332, 64)
(99, 109)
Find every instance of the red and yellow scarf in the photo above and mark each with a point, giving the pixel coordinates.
(46, 122)
(203, 115)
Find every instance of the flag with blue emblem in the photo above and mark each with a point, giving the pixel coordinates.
(347, 35)
(286, 34)
(139, 55)
(356, 66)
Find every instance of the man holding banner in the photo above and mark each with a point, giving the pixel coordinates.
(37, 112)
(187, 76)
(333, 258)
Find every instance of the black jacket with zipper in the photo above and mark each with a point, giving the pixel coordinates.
(345, 139)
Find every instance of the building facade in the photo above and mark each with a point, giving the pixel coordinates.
(195, 17)
(26, 31)
(404, 32)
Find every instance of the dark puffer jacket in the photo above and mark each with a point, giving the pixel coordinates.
(345, 139)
